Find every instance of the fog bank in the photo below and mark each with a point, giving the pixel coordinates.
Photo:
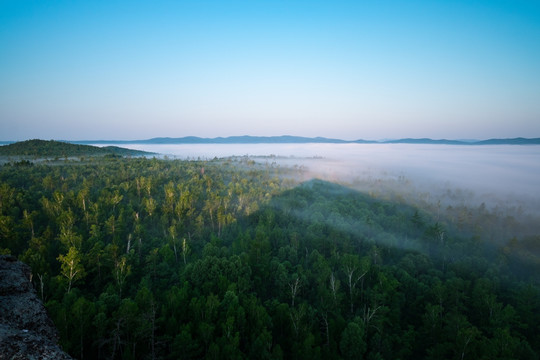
(498, 175)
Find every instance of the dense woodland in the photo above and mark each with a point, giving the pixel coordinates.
(39, 149)
(148, 259)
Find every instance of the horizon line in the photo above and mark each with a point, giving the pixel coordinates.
(283, 139)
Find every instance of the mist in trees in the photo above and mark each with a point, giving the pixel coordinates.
(235, 258)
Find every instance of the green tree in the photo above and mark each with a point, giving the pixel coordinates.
(72, 268)
(353, 344)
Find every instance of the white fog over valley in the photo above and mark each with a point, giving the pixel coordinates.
(500, 176)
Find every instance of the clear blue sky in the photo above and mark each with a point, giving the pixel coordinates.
(345, 69)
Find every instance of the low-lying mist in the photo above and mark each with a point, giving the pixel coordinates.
(448, 180)
(484, 173)
(494, 190)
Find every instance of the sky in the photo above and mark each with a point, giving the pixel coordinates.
(127, 70)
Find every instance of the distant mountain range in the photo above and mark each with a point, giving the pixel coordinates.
(287, 139)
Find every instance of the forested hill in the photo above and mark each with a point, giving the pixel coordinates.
(51, 148)
(229, 259)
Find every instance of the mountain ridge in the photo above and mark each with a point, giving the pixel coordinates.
(289, 139)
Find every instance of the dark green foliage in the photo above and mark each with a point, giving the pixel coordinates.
(222, 259)
(51, 149)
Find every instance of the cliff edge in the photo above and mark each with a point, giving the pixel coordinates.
(26, 331)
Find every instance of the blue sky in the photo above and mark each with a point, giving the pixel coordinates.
(345, 69)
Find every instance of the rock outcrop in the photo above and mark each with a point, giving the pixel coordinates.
(26, 331)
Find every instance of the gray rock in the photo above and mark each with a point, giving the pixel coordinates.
(26, 331)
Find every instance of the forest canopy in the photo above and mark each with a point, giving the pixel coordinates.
(49, 149)
(148, 258)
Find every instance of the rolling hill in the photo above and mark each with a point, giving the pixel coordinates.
(52, 148)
